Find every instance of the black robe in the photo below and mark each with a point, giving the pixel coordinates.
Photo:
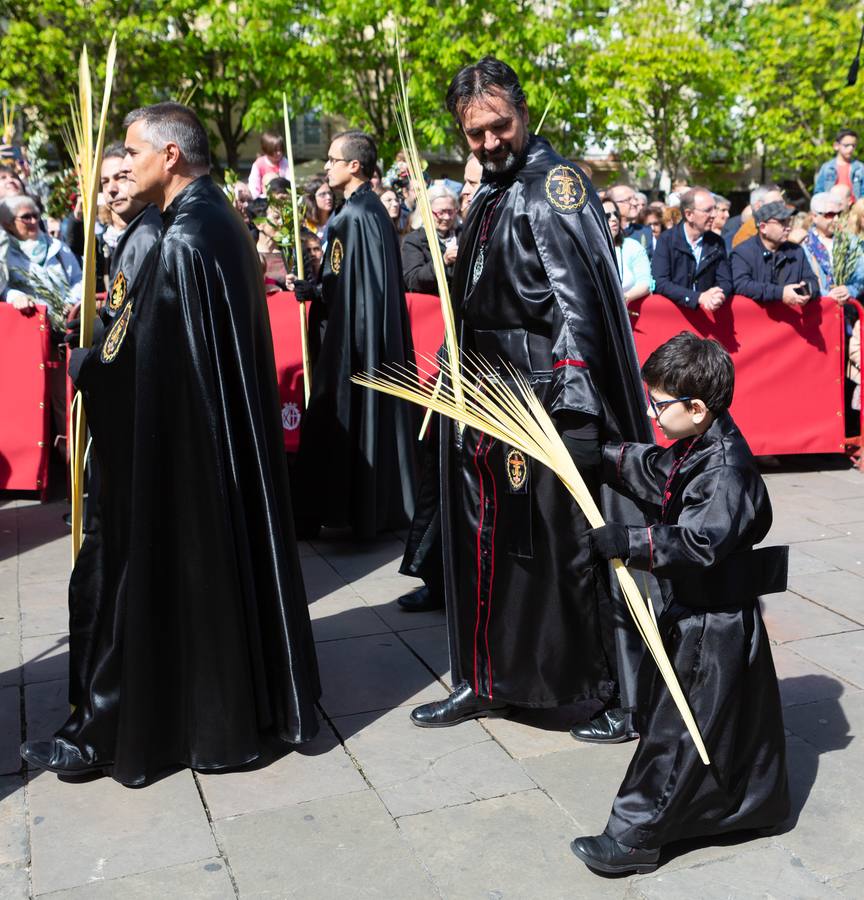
(716, 508)
(129, 254)
(201, 640)
(528, 614)
(356, 464)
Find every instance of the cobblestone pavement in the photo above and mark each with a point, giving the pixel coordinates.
(376, 808)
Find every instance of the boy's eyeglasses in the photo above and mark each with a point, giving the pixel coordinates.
(659, 405)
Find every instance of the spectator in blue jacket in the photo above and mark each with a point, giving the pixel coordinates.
(690, 265)
(768, 267)
(821, 250)
(844, 168)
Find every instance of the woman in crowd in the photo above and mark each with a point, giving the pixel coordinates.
(41, 269)
(417, 267)
(394, 209)
(723, 208)
(653, 219)
(633, 265)
(319, 202)
(271, 163)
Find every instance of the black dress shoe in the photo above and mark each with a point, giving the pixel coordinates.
(605, 854)
(609, 726)
(58, 756)
(421, 600)
(463, 704)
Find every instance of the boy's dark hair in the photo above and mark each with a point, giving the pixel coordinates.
(690, 366)
(358, 145)
(489, 75)
(845, 132)
(278, 185)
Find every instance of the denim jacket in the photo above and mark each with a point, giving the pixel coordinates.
(827, 177)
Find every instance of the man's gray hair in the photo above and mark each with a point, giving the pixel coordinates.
(439, 191)
(824, 202)
(688, 198)
(11, 206)
(757, 195)
(173, 123)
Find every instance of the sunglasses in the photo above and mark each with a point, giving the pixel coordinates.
(828, 215)
(28, 217)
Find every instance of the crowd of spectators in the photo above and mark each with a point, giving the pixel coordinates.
(685, 246)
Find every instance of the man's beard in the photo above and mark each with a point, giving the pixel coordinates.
(511, 161)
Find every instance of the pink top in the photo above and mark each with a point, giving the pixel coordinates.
(260, 169)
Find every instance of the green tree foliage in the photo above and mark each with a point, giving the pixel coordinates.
(795, 80)
(659, 92)
(229, 54)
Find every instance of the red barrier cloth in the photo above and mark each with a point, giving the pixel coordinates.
(788, 366)
(427, 329)
(285, 326)
(25, 423)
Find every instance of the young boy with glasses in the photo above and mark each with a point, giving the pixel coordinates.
(708, 506)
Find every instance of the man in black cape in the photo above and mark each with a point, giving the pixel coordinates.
(203, 645)
(535, 288)
(356, 465)
(143, 223)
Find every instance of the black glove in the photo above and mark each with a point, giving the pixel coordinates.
(581, 436)
(73, 331)
(76, 357)
(305, 290)
(609, 542)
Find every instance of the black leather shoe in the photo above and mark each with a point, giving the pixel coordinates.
(605, 854)
(609, 726)
(421, 600)
(58, 756)
(463, 704)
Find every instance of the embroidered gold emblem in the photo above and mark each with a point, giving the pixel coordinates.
(111, 347)
(565, 189)
(336, 255)
(118, 292)
(517, 469)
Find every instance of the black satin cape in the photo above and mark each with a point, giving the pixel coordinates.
(529, 616)
(717, 510)
(200, 641)
(356, 464)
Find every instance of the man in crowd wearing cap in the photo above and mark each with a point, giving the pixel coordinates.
(768, 266)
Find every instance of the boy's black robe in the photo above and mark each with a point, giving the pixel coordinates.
(716, 509)
(201, 640)
(356, 462)
(523, 603)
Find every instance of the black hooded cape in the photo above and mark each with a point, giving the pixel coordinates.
(356, 463)
(529, 616)
(200, 642)
(710, 506)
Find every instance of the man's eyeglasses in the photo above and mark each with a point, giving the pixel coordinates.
(710, 211)
(829, 215)
(28, 217)
(335, 159)
(444, 213)
(658, 406)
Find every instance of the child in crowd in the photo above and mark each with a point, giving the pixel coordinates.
(271, 162)
(709, 506)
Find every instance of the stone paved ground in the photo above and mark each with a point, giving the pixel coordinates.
(378, 808)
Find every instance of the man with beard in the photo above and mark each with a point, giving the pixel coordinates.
(535, 288)
(201, 644)
(355, 466)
